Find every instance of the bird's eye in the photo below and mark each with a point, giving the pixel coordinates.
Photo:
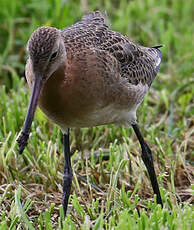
(53, 56)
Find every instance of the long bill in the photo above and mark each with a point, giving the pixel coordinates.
(37, 88)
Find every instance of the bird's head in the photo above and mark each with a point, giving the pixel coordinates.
(47, 53)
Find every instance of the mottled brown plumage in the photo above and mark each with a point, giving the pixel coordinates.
(137, 63)
(102, 73)
(87, 75)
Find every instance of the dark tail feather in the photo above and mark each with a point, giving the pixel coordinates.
(157, 47)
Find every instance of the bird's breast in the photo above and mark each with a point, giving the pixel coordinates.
(73, 98)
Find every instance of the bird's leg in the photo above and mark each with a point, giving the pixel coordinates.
(148, 161)
(67, 178)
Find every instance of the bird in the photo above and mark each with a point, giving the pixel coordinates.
(88, 75)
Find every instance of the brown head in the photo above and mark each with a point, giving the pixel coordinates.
(46, 53)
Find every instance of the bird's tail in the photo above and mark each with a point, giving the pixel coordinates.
(157, 47)
(157, 54)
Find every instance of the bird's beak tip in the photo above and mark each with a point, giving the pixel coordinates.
(22, 141)
(21, 149)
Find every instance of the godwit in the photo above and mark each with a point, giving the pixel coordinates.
(87, 75)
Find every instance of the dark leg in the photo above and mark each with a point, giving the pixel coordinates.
(67, 178)
(148, 161)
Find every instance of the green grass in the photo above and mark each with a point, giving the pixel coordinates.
(111, 189)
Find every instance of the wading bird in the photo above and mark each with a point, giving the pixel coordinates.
(88, 75)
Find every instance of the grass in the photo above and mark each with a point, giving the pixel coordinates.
(111, 189)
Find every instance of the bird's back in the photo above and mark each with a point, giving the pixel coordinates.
(137, 64)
